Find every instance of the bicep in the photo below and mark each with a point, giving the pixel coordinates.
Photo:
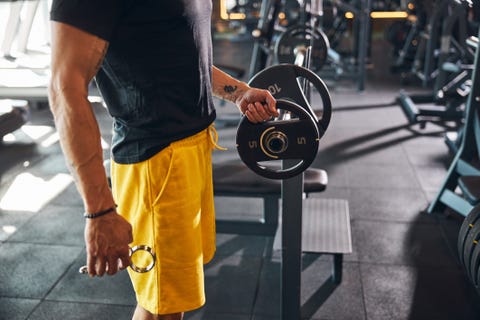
(76, 56)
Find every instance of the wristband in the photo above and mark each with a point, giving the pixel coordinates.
(99, 214)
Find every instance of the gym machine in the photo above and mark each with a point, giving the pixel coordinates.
(306, 32)
(26, 76)
(449, 65)
(274, 44)
(460, 86)
(264, 35)
(460, 190)
(405, 37)
(23, 26)
(353, 67)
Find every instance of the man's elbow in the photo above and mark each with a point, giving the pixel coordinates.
(64, 91)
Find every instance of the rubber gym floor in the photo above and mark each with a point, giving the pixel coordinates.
(403, 265)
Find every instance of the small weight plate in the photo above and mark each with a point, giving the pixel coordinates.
(297, 138)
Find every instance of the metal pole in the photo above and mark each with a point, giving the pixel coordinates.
(292, 194)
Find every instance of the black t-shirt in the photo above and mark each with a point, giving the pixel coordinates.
(156, 75)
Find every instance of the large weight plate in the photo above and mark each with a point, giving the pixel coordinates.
(301, 36)
(471, 218)
(284, 82)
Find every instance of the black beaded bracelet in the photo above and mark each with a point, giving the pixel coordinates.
(99, 214)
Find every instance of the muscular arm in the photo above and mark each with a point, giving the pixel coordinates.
(76, 57)
(257, 104)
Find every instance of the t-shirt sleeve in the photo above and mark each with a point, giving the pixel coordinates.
(98, 17)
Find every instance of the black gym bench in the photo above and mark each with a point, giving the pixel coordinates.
(235, 179)
(13, 115)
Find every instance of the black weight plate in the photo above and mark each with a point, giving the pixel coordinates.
(474, 264)
(294, 37)
(251, 149)
(256, 139)
(478, 281)
(472, 216)
(472, 237)
(283, 83)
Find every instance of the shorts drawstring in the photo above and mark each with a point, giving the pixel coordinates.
(214, 138)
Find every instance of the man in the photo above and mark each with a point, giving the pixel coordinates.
(152, 62)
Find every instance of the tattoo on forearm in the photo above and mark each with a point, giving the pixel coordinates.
(230, 89)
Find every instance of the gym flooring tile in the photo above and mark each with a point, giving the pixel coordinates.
(48, 227)
(242, 245)
(363, 144)
(14, 157)
(30, 270)
(406, 292)
(200, 315)
(430, 177)
(378, 151)
(427, 153)
(320, 297)
(333, 192)
(388, 205)
(232, 284)
(415, 244)
(17, 308)
(80, 311)
(383, 116)
(11, 221)
(381, 176)
(76, 287)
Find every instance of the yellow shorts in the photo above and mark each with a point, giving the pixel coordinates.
(168, 199)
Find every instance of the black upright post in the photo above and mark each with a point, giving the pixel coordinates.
(363, 41)
(292, 194)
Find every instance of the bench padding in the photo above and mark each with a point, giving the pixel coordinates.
(237, 178)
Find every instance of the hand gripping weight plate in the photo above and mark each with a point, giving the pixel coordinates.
(284, 82)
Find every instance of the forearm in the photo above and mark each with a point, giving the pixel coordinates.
(257, 104)
(226, 87)
(81, 143)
